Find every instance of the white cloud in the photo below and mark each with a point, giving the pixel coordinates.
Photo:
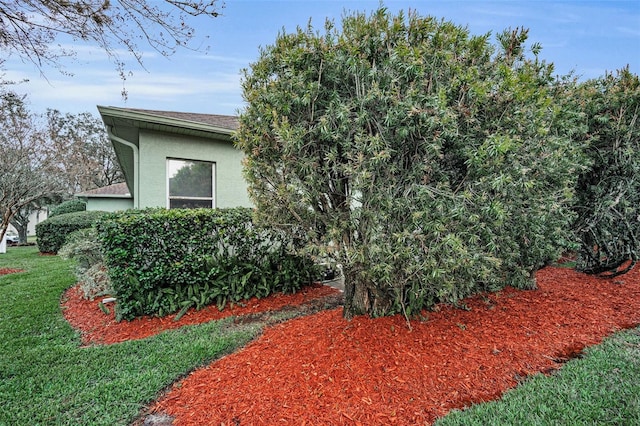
(223, 59)
(160, 85)
(160, 90)
(634, 32)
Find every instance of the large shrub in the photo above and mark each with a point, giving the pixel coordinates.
(52, 233)
(70, 206)
(162, 261)
(608, 193)
(428, 162)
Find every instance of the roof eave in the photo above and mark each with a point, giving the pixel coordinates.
(84, 195)
(144, 117)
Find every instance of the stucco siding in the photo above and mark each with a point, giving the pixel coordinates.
(109, 204)
(156, 147)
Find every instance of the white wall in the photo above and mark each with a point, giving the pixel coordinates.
(35, 218)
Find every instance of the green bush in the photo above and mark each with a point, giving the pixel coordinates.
(70, 206)
(84, 247)
(431, 164)
(52, 233)
(164, 261)
(608, 193)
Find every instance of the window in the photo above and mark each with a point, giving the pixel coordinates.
(191, 184)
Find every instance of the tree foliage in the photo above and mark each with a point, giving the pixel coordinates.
(29, 28)
(27, 160)
(46, 160)
(87, 159)
(428, 162)
(608, 222)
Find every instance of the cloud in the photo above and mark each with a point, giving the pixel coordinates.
(634, 32)
(223, 59)
(165, 90)
(159, 85)
(586, 37)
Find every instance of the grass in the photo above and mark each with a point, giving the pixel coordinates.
(599, 388)
(47, 379)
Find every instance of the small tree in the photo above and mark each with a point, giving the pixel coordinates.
(608, 192)
(426, 161)
(22, 217)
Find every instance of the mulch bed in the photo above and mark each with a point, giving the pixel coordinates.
(322, 369)
(7, 271)
(96, 327)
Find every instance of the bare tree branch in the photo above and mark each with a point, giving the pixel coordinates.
(29, 28)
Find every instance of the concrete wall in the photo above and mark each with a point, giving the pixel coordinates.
(157, 147)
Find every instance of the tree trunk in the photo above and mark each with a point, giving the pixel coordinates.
(22, 234)
(361, 297)
(356, 299)
(20, 221)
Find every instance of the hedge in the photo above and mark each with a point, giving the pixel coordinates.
(70, 206)
(52, 233)
(165, 261)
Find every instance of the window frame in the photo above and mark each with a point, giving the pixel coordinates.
(169, 198)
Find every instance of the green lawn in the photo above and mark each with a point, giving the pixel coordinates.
(47, 379)
(601, 388)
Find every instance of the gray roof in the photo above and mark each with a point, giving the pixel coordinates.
(221, 121)
(117, 190)
(170, 121)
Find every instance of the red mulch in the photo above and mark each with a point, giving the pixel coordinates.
(324, 370)
(7, 271)
(97, 327)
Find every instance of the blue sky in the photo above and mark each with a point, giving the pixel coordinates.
(588, 37)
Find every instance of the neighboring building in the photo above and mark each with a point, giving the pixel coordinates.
(171, 159)
(108, 198)
(35, 218)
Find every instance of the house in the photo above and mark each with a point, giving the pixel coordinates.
(108, 198)
(173, 160)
